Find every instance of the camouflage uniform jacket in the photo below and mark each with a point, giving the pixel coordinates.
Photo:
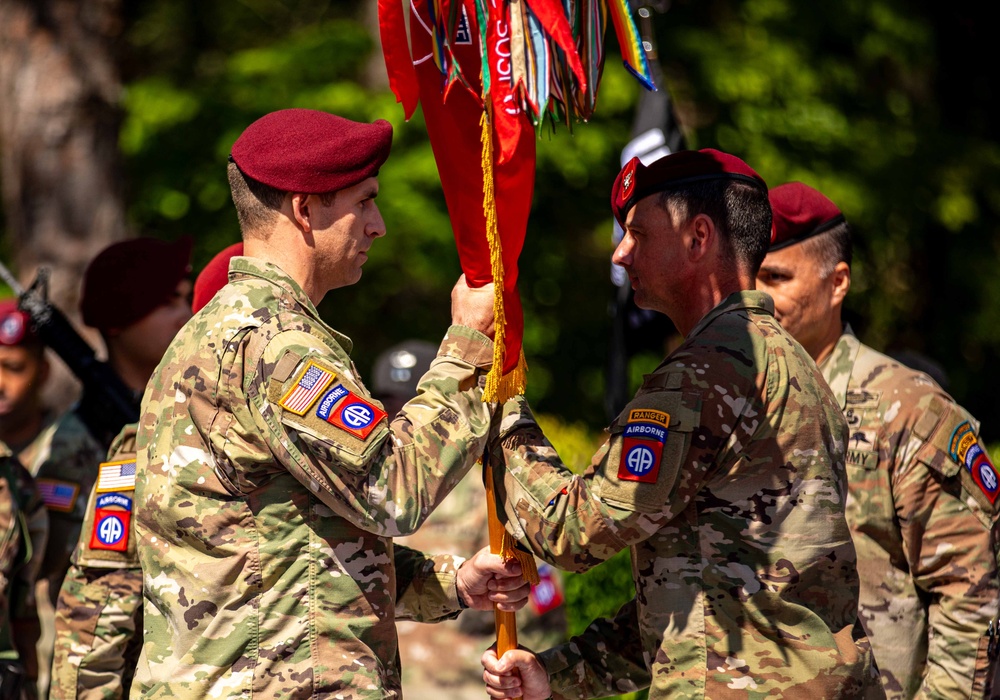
(63, 459)
(100, 604)
(269, 485)
(725, 476)
(23, 530)
(922, 506)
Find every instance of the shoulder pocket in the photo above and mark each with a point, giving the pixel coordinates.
(332, 417)
(952, 447)
(649, 441)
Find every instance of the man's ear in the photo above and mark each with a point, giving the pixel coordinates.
(300, 211)
(840, 280)
(703, 236)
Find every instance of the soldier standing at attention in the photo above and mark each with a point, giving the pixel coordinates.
(269, 483)
(23, 529)
(724, 475)
(923, 491)
(98, 620)
(136, 293)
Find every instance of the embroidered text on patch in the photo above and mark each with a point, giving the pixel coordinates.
(642, 445)
(311, 383)
(116, 476)
(353, 414)
(58, 495)
(111, 529)
(968, 450)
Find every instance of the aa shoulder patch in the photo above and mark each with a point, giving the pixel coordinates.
(968, 450)
(350, 412)
(58, 495)
(116, 476)
(312, 381)
(643, 438)
(111, 526)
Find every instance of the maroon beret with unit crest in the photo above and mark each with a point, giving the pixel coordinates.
(637, 181)
(800, 212)
(15, 325)
(129, 279)
(312, 152)
(214, 276)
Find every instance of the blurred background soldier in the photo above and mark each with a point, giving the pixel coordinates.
(23, 529)
(923, 491)
(136, 293)
(458, 526)
(98, 619)
(23, 371)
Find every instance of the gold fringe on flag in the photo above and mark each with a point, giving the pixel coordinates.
(499, 386)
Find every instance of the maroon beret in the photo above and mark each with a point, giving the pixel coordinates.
(15, 325)
(304, 150)
(800, 212)
(214, 276)
(636, 181)
(129, 279)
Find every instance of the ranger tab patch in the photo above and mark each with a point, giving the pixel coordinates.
(642, 447)
(968, 450)
(116, 476)
(311, 382)
(350, 412)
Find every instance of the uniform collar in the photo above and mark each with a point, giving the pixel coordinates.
(839, 364)
(745, 299)
(242, 267)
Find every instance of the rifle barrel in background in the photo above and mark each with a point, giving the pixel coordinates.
(113, 399)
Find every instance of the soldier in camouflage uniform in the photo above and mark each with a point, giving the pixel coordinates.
(923, 491)
(98, 621)
(23, 530)
(724, 475)
(136, 293)
(269, 483)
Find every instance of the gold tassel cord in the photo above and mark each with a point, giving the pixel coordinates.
(500, 388)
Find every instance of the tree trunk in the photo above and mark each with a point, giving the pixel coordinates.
(60, 166)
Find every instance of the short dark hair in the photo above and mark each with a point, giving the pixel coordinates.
(830, 247)
(256, 204)
(740, 210)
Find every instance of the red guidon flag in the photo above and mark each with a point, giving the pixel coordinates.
(484, 146)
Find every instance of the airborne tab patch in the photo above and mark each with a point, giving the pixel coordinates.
(642, 446)
(968, 450)
(116, 476)
(311, 382)
(350, 412)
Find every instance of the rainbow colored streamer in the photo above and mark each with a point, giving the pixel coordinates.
(630, 42)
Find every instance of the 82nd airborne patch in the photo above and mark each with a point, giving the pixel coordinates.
(112, 514)
(643, 439)
(349, 412)
(966, 449)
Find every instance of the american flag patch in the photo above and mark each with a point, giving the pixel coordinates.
(58, 495)
(116, 476)
(312, 382)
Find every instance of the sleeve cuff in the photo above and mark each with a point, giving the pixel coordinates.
(468, 345)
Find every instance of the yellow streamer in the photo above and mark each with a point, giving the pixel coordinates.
(499, 387)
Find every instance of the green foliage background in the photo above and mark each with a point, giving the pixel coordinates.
(888, 106)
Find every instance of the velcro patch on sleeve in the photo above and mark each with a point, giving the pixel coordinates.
(111, 529)
(309, 384)
(116, 476)
(349, 412)
(643, 439)
(58, 495)
(968, 450)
